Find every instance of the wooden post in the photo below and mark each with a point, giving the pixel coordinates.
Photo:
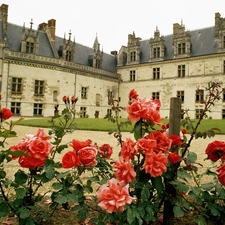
(170, 191)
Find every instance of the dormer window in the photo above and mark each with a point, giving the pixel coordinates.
(29, 47)
(69, 55)
(133, 56)
(181, 48)
(156, 52)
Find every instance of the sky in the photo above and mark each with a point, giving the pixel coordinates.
(113, 20)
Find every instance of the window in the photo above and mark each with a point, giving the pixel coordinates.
(223, 41)
(223, 97)
(133, 56)
(132, 75)
(198, 113)
(16, 85)
(182, 114)
(98, 99)
(181, 71)
(29, 47)
(156, 52)
(69, 55)
(38, 109)
(110, 97)
(39, 87)
(180, 94)
(98, 63)
(199, 96)
(96, 114)
(84, 92)
(223, 67)
(156, 73)
(55, 95)
(15, 108)
(83, 112)
(223, 113)
(155, 95)
(109, 112)
(181, 48)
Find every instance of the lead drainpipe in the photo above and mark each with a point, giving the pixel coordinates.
(7, 83)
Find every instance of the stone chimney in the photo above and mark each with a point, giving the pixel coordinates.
(51, 28)
(114, 53)
(4, 17)
(42, 26)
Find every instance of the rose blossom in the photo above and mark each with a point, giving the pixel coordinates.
(135, 110)
(70, 159)
(221, 174)
(128, 149)
(133, 94)
(30, 162)
(105, 151)
(146, 144)
(114, 197)
(77, 145)
(215, 150)
(87, 156)
(125, 170)
(155, 164)
(163, 143)
(5, 113)
(174, 157)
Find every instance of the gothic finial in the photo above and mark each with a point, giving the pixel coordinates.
(70, 35)
(182, 22)
(157, 28)
(31, 23)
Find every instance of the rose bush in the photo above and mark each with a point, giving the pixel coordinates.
(156, 175)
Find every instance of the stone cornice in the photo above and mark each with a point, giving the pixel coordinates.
(20, 58)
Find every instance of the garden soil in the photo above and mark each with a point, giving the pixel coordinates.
(63, 217)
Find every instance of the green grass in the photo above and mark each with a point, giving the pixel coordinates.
(105, 125)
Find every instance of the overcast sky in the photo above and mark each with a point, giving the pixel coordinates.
(113, 20)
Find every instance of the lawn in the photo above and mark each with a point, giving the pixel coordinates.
(98, 124)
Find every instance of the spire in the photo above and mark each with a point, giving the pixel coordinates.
(95, 45)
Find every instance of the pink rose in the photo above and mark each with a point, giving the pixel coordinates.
(155, 164)
(87, 156)
(125, 170)
(77, 145)
(114, 197)
(128, 149)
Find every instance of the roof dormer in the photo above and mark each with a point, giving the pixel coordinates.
(157, 47)
(30, 40)
(181, 41)
(68, 48)
(133, 49)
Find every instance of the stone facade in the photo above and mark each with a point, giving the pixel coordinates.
(37, 69)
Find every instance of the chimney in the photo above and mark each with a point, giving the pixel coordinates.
(114, 53)
(42, 26)
(52, 27)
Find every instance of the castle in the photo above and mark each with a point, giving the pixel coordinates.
(38, 68)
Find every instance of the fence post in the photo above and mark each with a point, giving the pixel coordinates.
(170, 191)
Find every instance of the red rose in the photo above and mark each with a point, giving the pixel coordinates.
(5, 113)
(70, 159)
(87, 156)
(133, 94)
(176, 140)
(30, 162)
(128, 149)
(215, 150)
(64, 98)
(105, 151)
(146, 145)
(77, 145)
(221, 174)
(174, 157)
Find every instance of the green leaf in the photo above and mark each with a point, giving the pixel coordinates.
(200, 220)
(130, 216)
(82, 214)
(157, 184)
(57, 186)
(207, 186)
(50, 172)
(61, 199)
(20, 193)
(2, 174)
(192, 157)
(214, 211)
(24, 213)
(145, 194)
(20, 177)
(4, 209)
(178, 211)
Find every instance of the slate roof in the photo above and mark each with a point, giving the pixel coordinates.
(14, 39)
(203, 42)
